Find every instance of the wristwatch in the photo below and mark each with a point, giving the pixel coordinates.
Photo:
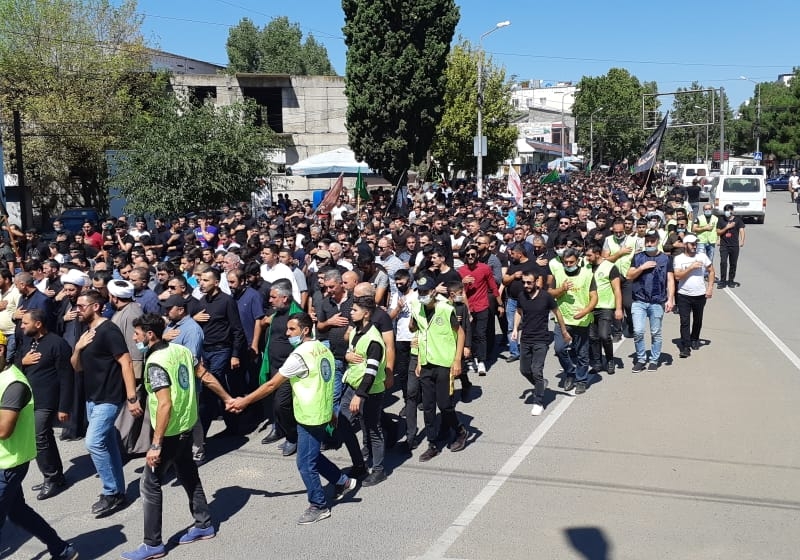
(133, 400)
(155, 447)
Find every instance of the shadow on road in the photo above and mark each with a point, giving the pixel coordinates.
(92, 545)
(590, 542)
(230, 500)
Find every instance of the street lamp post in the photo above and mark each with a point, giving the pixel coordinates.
(479, 142)
(758, 111)
(705, 160)
(591, 138)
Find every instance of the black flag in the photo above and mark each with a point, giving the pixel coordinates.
(642, 171)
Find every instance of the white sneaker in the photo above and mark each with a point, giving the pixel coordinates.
(481, 368)
(537, 410)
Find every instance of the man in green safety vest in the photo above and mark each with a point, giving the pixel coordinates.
(310, 370)
(169, 377)
(17, 450)
(609, 309)
(705, 228)
(619, 248)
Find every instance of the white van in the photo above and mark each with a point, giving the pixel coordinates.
(749, 170)
(747, 194)
(688, 172)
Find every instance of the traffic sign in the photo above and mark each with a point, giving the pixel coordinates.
(758, 156)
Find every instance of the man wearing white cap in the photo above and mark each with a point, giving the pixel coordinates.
(693, 291)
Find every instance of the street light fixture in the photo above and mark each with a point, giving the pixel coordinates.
(479, 139)
(758, 111)
(591, 138)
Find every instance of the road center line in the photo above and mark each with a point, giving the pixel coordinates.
(438, 549)
(766, 330)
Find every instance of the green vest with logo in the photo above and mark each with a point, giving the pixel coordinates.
(576, 298)
(437, 340)
(605, 291)
(312, 395)
(624, 262)
(707, 236)
(355, 372)
(20, 446)
(178, 362)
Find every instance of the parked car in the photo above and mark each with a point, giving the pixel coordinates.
(74, 218)
(780, 183)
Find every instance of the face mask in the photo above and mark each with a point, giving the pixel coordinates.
(707, 213)
(653, 225)
(458, 299)
(425, 300)
(295, 340)
(620, 237)
(727, 213)
(681, 230)
(572, 268)
(560, 252)
(142, 346)
(402, 288)
(651, 250)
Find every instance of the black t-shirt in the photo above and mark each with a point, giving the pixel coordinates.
(534, 326)
(515, 288)
(101, 371)
(16, 397)
(279, 347)
(731, 237)
(382, 321)
(446, 277)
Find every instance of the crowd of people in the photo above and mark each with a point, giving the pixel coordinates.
(136, 337)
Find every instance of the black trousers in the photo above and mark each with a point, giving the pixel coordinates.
(175, 450)
(284, 412)
(690, 309)
(402, 361)
(480, 328)
(532, 356)
(48, 458)
(434, 382)
(600, 341)
(728, 257)
(413, 398)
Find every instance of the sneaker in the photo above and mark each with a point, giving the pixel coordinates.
(341, 489)
(537, 410)
(108, 504)
(580, 387)
(481, 369)
(195, 534)
(69, 553)
(569, 383)
(733, 284)
(461, 440)
(374, 478)
(429, 454)
(685, 352)
(722, 285)
(145, 552)
(638, 367)
(313, 514)
(611, 368)
(512, 358)
(652, 366)
(695, 345)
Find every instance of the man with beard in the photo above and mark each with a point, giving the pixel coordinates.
(44, 358)
(693, 292)
(479, 287)
(512, 280)
(101, 354)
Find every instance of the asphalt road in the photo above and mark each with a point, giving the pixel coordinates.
(696, 460)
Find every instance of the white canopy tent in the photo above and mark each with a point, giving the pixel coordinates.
(333, 162)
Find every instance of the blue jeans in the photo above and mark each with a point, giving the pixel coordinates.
(103, 445)
(573, 357)
(708, 249)
(13, 507)
(312, 463)
(511, 310)
(654, 312)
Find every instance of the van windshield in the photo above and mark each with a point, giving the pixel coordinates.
(741, 185)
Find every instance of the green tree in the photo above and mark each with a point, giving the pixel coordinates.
(277, 48)
(77, 71)
(456, 131)
(396, 60)
(618, 130)
(201, 155)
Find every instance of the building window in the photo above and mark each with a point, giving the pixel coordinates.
(270, 103)
(202, 94)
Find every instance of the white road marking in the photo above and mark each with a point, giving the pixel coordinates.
(440, 547)
(766, 330)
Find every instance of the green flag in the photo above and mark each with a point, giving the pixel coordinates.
(361, 187)
(551, 177)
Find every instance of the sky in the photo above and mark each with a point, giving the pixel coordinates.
(674, 44)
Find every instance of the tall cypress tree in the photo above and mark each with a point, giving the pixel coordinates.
(395, 78)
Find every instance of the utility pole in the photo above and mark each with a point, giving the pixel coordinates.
(25, 210)
(722, 130)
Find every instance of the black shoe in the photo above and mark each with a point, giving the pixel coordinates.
(461, 440)
(429, 454)
(569, 383)
(358, 472)
(50, 489)
(616, 337)
(403, 448)
(511, 359)
(722, 285)
(652, 366)
(611, 369)
(374, 478)
(108, 504)
(685, 352)
(695, 345)
(466, 392)
(580, 387)
(638, 367)
(733, 284)
(273, 436)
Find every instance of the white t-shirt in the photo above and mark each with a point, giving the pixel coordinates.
(693, 283)
(403, 319)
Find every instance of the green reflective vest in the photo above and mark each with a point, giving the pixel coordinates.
(436, 339)
(20, 446)
(355, 372)
(312, 395)
(707, 236)
(576, 298)
(624, 262)
(605, 291)
(178, 362)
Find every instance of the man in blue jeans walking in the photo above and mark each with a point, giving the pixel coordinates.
(653, 287)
